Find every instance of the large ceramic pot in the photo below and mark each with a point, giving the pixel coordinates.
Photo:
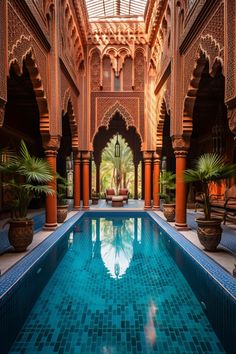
(209, 232)
(20, 234)
(62, 211)
(169, 211)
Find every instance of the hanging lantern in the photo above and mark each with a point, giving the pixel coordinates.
(117, 146)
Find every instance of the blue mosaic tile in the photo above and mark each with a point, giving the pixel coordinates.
(215, 270)
(117, 290)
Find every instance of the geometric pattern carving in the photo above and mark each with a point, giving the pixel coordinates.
(117, 107)
(95, 71)
(139, 71)
(160, 125)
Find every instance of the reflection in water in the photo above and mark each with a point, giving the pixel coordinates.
(150, 331)
(116, 239)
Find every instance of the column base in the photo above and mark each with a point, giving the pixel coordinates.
(181, 227)
(76, 207)
(85, 207)
(156, 207)
(148, 207)
(49, 227)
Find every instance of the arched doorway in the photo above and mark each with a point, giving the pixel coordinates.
(21, 120)
(118, 125)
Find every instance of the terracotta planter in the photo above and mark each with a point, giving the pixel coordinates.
(209, 232)
(62, 211)
(20, 234)
(169, 211)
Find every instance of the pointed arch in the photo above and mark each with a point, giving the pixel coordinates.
(117, 107)
(209, 52)
(68, 108)
(30, 62)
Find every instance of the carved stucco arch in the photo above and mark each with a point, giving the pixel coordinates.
(68, 107)
(23, 45)
(208, 52)
(127, 117)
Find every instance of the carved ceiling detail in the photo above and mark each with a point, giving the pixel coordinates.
(105, 33)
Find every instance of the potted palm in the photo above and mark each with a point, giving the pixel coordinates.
(210, 167)
(167, 183)
(27, 178)
(62, 204)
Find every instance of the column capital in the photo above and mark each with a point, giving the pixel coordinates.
(86, 155)
(50, 153)
(156, 158)
(147, 155)
(51, 142)
(76, 156)
(180, 145)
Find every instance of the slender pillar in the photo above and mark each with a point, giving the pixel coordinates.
(156, 181)
(98, 178)
(51, 200)
(76, 180)
(181, 190)
(85, 164)
(143, 181)
(135, 181)
(147, 155)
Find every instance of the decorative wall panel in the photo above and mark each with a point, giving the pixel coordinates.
(127, 74)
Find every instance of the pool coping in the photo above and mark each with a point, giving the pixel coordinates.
(221, 276)
(16, 272)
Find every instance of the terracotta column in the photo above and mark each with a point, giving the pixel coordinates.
(135, 181)
(180, 146)
(143, 181)
(85, 165)
(156, 180)
(76, 180)
(51, 200)
(98, 178)
(147, 157)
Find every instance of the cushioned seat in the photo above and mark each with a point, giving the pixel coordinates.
(124, 193)
(117, 201)
(109, 194)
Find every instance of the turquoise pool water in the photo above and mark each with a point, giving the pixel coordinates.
(117, 290)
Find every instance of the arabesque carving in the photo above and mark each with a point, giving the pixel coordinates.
(117, 107)
(115, 33)
(232, 120)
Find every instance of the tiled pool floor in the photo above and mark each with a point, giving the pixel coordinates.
(92, 305)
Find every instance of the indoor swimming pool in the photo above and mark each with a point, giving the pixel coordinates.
(117, 290)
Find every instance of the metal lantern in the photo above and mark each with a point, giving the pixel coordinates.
(117, 147)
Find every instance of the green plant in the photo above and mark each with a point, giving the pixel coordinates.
(167, 184)
(210, 167)
(28, 176)
(62, 186)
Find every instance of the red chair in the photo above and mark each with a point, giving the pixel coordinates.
(109, 194)
(125, 194)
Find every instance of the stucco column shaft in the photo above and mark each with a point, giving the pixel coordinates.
(51, 200)
(135, 181)
(97, 178)
(76, 181)
(85, 164)
(156, 181)
(147, 173)
(181, 190)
